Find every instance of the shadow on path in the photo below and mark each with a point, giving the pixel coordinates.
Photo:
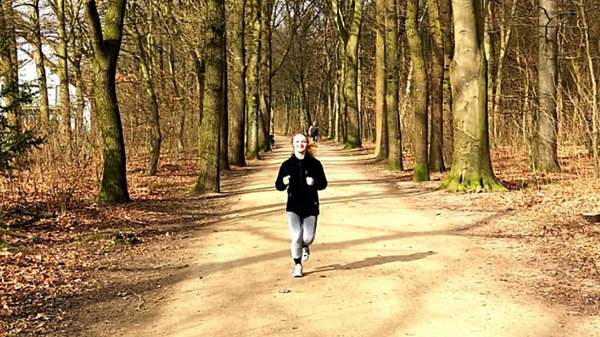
(179, 273)
(372, 261)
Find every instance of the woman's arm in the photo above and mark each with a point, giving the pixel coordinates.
(279, 185)
(320, 180)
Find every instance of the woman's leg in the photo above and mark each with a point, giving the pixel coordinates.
(296, 230)
(309, 229)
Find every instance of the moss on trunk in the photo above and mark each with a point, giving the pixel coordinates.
(107, 45)
(472, 183)
(471, 166)
(214, 94)
(421, 173)
(419, 92)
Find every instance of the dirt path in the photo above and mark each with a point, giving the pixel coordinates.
(389, 260)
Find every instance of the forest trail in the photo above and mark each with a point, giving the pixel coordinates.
(388, 260)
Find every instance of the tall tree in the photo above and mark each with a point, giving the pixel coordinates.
(302, 85)
(35, 38)
(436, 158)
(592, 91)
(328, 46)
(147, 70)
(236, 85)
(63, 68)
(340, 117)
(78, 48)
(446, 24)
(545, 157)
(252, 74)
(179, 101)
(471, 166)
(381, 140)
(350, 34)
(214, 99)
(106, 44)
(489, 47)
(224, 132)
(505, 28)
(419, 92)
(394, 141)
(9, 66)
(265, 69)
(200, 74)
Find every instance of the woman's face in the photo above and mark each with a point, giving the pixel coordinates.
(299, 143)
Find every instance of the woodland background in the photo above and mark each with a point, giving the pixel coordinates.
(110, 101)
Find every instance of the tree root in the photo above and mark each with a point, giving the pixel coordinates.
(18, 214)
(421, 173)
(472, 183)
(8, 232)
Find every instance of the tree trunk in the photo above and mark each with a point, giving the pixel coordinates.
(359, 92)
(80, 96)
(545, 157)
(288, 103)
(350, 37)
(595, 141)
(341, 121)
(38, 57)
(381, 140)
(236, 84)
(448, 131)
(394, 158)
(224, 117)
(339, 91)
(154, 120)
(252, 74)
(419, 92)
(266, 8)
(224, 132)
(200, 71)
(214, 99)
(436, 155)
(329, 87)
(527, 118)
(106, 46)
(489, 48)
(9, 67)
(305, 120)
(471, 166)
(505, 34)
(351, 81)
(63, 69)
(334, 128)
(177, 102)
(94, 126)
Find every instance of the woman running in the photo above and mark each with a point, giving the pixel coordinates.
(302, 175)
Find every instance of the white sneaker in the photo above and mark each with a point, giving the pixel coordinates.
(297, 270)
(305, 253)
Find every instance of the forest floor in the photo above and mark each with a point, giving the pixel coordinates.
(391, 258)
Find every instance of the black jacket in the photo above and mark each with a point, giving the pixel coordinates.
(302, 199)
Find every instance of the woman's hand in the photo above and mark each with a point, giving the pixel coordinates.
(286, 180)
(310, 181)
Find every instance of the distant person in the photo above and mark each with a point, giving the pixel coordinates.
(313, 132)
(302, 175)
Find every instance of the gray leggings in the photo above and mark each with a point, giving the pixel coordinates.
(303, 232)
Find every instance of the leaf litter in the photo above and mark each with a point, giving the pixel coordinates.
(51, 267)
(80, 252)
